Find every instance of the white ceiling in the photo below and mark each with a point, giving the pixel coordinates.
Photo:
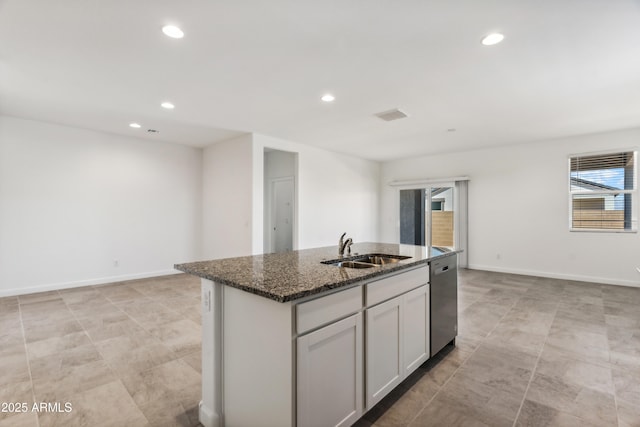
(565, 67)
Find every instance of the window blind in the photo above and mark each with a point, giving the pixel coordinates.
(603, 191)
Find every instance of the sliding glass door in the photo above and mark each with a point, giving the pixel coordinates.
(427, 216)
(434, 213)
(439, 218)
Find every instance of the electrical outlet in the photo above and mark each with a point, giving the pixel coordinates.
(116, 263)
(497, 256)
(206, 301)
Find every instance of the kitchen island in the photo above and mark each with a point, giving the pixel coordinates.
(292, 339)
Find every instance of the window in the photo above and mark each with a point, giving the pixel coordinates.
(603, 192)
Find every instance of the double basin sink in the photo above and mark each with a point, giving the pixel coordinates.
(368, 261)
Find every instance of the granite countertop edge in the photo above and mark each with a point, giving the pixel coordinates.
(242, 273)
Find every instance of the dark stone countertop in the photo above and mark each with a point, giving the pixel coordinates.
(292, 275)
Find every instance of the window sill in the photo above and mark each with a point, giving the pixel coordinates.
(599, 230)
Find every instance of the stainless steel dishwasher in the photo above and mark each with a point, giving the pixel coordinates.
(444, 302)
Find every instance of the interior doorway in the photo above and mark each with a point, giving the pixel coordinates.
(281, 227)
(280, 200)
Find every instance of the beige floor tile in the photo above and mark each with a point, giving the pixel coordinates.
(141, 307)
(440, 369)
(10, 321)
(119, 293)
(101, 310)
(54, 345)
(60, 385)
(82, 302)
(510, 337)
(630, 362)
(77, 296)
(182, 337)
(42, 331)
(579, 340)
(628, 414)
(529, 321)
(126, 359)
(13, 365)
(480, 318)
(11, 338)
(7, 302)
(547, 305)
(54, 364)
(45, 311)
(24, 419)
(104, 328)
(491, 404)
(162, 413)
(627, 385)
(39, 297)
(592, 405)
(160, 316)
(194, 316)
(441, 412)
(173, 381)
(12, 393)
(572, 369)
(621, 294)
(194, 360)
(147, 332)
(534, 414)
(108, 405)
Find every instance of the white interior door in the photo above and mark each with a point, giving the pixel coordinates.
(282, 199)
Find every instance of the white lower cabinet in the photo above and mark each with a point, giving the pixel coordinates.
(345, 367)
(384, 349)
(329, 374)
(397, 336)
(415, 328)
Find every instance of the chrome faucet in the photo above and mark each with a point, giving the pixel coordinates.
(342, 244)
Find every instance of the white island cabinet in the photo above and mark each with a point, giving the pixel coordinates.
(319, 361)
(397, 330)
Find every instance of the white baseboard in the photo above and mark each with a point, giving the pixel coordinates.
(88, 282)
(591, 279)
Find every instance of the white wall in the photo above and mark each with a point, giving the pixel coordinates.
(227, 198)
(336, 193)
(72, 201)
(519, 209)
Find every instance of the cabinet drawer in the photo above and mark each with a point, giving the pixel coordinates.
(390, 287)
(326, 309)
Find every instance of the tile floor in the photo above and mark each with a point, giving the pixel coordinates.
(531, 352)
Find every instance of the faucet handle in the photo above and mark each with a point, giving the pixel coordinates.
(348, 244)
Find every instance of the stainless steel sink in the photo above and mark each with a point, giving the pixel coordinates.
(381, 259)
(354, 264)
(368, 261)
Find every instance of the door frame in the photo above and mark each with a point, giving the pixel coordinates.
(428, 198)
(271, 212)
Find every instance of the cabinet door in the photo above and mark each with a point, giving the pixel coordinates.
(329, 375)
(415, 310)
(384, 349)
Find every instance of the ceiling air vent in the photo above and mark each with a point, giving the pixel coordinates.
(390, 115)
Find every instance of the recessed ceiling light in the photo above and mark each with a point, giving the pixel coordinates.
(167, 105)
(328, 97)
(134, 125)
(173, 31)
(492, 39)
